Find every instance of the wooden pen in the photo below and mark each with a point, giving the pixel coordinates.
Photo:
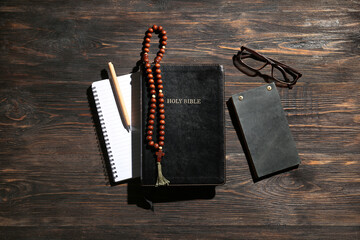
(119, 96)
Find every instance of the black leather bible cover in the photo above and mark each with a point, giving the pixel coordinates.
(194, 127)
(265, 131)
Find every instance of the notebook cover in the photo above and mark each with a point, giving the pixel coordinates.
(265, 130)
(194, 127)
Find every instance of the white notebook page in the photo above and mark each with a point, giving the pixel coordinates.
(117, 138)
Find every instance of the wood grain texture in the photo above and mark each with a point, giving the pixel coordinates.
(52, 180)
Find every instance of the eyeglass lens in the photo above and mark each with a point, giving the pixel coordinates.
(284, 75)
(252, 60)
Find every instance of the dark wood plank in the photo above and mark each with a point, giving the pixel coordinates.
(183, 232)
(52, 178)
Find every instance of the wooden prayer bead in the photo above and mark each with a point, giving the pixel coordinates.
(155, 96)
(157, 59)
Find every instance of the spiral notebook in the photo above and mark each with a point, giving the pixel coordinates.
(121, 145)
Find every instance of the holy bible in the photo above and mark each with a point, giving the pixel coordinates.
(194, 127)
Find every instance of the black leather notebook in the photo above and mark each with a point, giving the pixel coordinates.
(194, 129)
(265, 131)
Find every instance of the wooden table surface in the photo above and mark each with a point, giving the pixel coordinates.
(53, 184)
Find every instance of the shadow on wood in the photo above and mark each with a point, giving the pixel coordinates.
(144, 197)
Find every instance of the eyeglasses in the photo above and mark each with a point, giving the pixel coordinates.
(250, 62)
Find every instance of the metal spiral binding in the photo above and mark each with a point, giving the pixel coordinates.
(106, 137)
